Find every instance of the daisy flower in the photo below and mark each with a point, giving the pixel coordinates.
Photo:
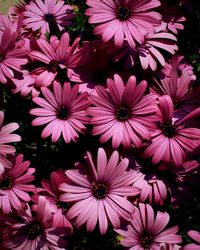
(147, 231)
(171, 140)
(15, 183)
(100, 194)
(39, 15)
(123, 20)
(63, 111)
(50, 189)
(195, 235)
(122, 113)
(26, 231)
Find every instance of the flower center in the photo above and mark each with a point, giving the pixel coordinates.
(48, 17)
(34, 230)
(6, 183)
(63, 113)
(122, 114)
(100, 191)
(2, 56)
(169, 130)
(62, 205)
(146, 241)
(53, 66)
(123, 13)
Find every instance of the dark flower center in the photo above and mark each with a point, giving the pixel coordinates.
(6, 183)
(53, 66)
(34, 230)
(122, 114)
(123, 13)
(100, 191)
(169, 130)
(2, 56)
(63, 113)
(146, 241)
(63, 205)
(48, 17)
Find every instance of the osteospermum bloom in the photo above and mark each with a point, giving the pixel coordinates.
(195, 235)
(39, 15)
(147, 231)
(15, 183)
(172, 140)
(123, 20)
(50, 189)
(26, 231)
(122, 113)
(100, 194)
(63, 111)
(11, 57)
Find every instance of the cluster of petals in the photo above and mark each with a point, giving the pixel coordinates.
(123, 20)
(63, 110)
(40, 15)
(147, 231)
(195, 236)
(100, 192)
(24, 230)
(15, 183)
(122, 112)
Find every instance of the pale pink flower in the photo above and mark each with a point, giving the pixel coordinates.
(26, 231)
(123, 112)
(50, 189)
(15, 183)
(100, 192)
(123, 20)
(149, 51)
(11, 56)
(63, 111)
(171, 140)
(185, 96)
(147, 231)
(39, 15)
(195, 235)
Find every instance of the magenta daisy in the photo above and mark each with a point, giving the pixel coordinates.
(63, 111)
(39, 15)
(123, 20)
(15, 183)
(195, 235)
(52, 194)
(100, 193)
(168, 246)
(122, 113)
(11, 57)
(172, 140)
(26, 231)
(147, 231)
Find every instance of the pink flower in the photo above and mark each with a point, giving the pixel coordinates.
(149, 51)
(6, 136)
(122, 113)
(172, 140)
(123, 20)
(195, 235)
(39, 15)
(11, 57)
(15, 183)
(63, 111)
(147, 232)
(52, 194)
(100, 193)
(168, 246)
(185, 96)
(26, 231)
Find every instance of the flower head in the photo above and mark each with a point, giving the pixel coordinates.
(146, 232)
(123, 20)
(100, 192)
(63, 110)
(15, 183)
(122, 113)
